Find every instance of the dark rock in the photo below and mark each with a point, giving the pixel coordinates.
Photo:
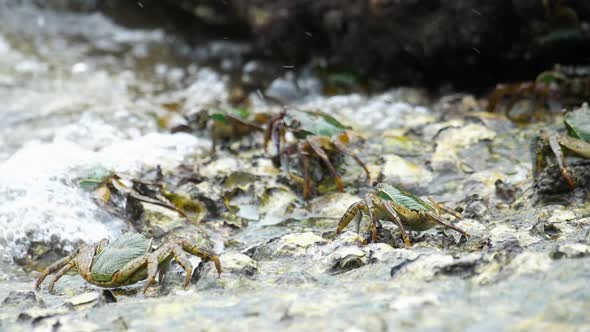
(410, 40)
(551, 182)
(464, 42)
(508, 250)
(346, 259)
(475, 207)
(546, 230)
(399, 267)
(21, 298)
(463, 267)
(506, 191)
(109, 296)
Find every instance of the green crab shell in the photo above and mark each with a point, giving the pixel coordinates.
(221, 115)
(118, 253)
(578, 123)
(392, 193)
(316, 123)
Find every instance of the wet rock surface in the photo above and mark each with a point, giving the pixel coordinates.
(526, 262)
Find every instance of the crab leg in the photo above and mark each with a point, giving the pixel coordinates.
(445, 208)
(55, 267)
(353, 211)
(306, 178)
(276, 135)
(580, 147)
(357, 219)
(342, 148)
(182, 258)
(205, 254)
(537, 150)
(317, 148)
(153, 261)
(273, 131)
(556, 148)
(437, 219)
(162, 271)
(284, 156)
(369, 198)
(126, 273)
(60, 274)
(395, 217)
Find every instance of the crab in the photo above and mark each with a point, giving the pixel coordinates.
(105, 183)
(563, 83)
(127, 260)
(577, 143)
(318, 134)
(230, 123)
(389, 202)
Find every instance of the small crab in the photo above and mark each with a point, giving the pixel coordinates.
(105, 183)
(319, 134)
(569, 84)
(127, 260)
(388, 202)
(230, 124)
(577, 143)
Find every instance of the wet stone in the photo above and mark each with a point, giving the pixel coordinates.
(238, 264)
(482, 183)
(498, 266)
(506, 191)
(451, 140)
(462, 267)
(409, 175)
(298, 244)
(475, 208)
(423, 268)
(409, 302)
(295, 278)
(571, 250)
(551, 181)
(348, 237)
(345, 259)
(562, 215)
(332, 205)
(547, 230)
(153, 219)
(380, 252)
(89, 300)
(19, 298)
(35, 315)
(502, 235)
(529, 263)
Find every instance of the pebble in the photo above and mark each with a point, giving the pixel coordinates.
(298, 243)
(401, 171)
(238, 263)
(571, 250)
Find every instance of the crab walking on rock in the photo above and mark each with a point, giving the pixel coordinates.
(576, 143)
(128, 260)
(317, 134)
(408, 211)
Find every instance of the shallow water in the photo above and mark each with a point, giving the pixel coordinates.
(78, 100)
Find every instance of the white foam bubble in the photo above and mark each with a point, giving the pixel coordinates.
(41, 199)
